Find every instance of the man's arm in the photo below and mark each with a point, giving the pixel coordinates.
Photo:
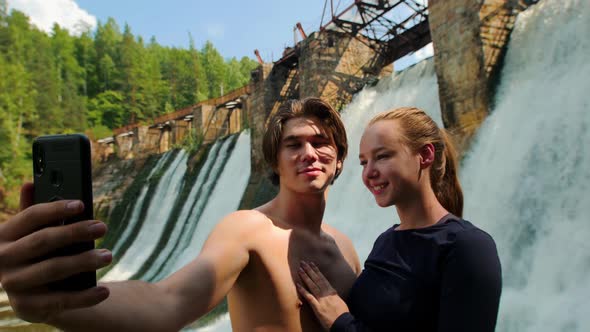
(131, 305)
(177, 300)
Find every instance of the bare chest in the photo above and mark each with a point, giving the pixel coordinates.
(266, 288)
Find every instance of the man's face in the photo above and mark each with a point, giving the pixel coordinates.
(307, 158)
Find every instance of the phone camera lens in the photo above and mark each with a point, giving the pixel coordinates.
(39, 162)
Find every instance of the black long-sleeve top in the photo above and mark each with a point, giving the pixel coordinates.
(444, 278)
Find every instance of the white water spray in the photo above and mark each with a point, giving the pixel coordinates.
(154, 223)
(224, 199)
(527, 177)
(136, 211)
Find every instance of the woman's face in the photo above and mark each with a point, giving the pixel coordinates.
(390, 169)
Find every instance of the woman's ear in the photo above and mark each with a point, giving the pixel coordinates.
(426, 155)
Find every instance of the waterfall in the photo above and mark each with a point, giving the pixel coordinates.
(351, 207)
(132, 224)
(527, 176)
(193, 198)
(225, 198)
(220, 167)
(155, 220)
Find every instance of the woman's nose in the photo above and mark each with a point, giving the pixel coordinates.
(370, 172)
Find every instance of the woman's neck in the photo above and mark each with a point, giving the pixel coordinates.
(423, 211)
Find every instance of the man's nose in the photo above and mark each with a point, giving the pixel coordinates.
(309, 153)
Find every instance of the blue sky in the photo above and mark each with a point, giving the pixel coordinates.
(235, 27)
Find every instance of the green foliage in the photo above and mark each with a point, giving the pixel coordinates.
(58, 83)
(191, 142)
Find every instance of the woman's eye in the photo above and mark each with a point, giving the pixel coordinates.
(363, 163)
(381, 156)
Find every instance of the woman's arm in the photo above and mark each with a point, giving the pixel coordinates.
(471, 284)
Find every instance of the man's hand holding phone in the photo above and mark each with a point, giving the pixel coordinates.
(27, 266)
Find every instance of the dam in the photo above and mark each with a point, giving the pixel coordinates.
(512, 93)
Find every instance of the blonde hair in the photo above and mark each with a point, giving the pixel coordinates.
(418, 130)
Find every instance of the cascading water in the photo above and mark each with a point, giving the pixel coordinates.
(193, 199)
(134, 218)
(222, 168)
(155, 220)
(225, 198)
(527, 176)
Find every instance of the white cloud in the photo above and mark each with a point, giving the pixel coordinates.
(66, 13)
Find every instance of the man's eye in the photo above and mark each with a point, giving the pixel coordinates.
(319, 144)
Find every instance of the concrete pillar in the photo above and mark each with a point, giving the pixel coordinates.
(201, 117)
(469, 39)
(124, 146)
(459, 65)
(164, 143)
(235, 121)
(334, 66)
(259, 105)
(179, 131)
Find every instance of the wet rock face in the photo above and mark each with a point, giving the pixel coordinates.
(459, 64)
(469, 39)
(110, 180)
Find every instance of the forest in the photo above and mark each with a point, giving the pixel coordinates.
(57, 82)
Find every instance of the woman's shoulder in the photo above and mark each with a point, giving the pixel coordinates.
(463, 231)
(468, 242)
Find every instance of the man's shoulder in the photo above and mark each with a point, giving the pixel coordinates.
(246, 218)
(334, 232)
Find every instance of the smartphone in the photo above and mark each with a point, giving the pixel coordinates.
(62, 170)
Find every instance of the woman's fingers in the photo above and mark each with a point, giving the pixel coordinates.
(309, 282)
(306, 294)
(320, 279)
(321, 285)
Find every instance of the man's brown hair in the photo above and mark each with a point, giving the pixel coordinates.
(308, 107)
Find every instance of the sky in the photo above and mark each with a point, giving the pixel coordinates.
(235, 27)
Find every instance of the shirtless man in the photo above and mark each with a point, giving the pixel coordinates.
(251, 256)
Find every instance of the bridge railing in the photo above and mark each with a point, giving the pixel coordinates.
(180, 114)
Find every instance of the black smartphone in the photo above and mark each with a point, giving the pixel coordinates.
(62, 170)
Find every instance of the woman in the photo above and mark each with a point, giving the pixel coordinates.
(432, 272)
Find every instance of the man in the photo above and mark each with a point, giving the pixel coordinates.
(251, 256)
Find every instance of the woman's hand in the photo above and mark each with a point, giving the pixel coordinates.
(324, 299)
